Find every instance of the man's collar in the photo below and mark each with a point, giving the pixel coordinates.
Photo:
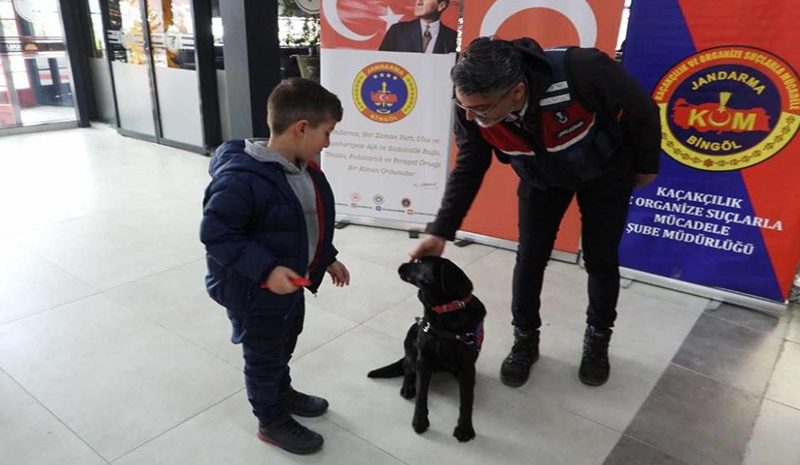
(433, 25)
(516, 116)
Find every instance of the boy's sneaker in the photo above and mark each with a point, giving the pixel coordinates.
(286, 433)
(304, 405)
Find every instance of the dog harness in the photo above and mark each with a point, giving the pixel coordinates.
(474, 338)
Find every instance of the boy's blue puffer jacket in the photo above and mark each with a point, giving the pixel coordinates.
(253, 222)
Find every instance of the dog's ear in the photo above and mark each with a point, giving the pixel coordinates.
(453, 279)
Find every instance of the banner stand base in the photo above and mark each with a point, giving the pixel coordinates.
(379, 223)
(462, 243)
(341, 224)
(413, 234)
(511, 245)
(715, 294)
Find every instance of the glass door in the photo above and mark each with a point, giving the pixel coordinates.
(130, 65)
(152, 53)
(177, 87)
(35, 79)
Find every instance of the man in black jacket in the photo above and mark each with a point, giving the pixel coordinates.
(426, 34)
(571, 122)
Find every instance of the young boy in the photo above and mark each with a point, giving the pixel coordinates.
(267, 225)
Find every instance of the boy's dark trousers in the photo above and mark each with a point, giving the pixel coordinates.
(268, 338)
(604, 211)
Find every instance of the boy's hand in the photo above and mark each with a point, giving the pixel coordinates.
(280, 281)
(339, 273)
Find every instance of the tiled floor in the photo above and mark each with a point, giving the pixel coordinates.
(47, 114)
(111, 352)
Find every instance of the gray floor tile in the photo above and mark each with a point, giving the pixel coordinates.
(731, 353)
(696, 419)
(629, 451)
(750, 318)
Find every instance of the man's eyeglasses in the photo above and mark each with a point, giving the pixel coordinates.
(485, 113)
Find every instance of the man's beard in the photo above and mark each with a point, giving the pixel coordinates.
(487, 123)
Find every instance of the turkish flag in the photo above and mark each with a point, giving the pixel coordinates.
(361, 25)
(588, 23)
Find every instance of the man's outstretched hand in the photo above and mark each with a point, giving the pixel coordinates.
(431, 245)
(642, 180)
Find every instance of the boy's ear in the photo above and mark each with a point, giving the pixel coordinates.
(301, 127)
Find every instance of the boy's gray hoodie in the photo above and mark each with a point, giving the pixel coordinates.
(301, 184)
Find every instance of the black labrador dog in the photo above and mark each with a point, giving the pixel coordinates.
(448, 337)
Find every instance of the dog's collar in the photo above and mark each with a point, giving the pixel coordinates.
(452, 306)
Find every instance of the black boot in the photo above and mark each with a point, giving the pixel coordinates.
(594, 365)
(286, 433)
(517, 366)
(305, 405)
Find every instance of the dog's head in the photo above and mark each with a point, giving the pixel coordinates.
(439, 279)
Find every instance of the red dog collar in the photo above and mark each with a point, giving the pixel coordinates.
(452, 306)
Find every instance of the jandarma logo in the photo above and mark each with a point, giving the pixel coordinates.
(384, 92)
(728, 108)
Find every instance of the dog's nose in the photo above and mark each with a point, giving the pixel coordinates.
(403, 268)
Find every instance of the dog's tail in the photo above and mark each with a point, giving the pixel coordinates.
(389, 371)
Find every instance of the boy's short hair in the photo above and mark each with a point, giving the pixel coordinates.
(298, 99)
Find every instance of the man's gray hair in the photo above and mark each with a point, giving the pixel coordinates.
(488, 66)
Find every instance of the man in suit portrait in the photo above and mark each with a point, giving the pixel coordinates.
(426, 34)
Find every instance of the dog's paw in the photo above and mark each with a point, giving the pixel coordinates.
(420, 425)
(408, 392)
(464, 434)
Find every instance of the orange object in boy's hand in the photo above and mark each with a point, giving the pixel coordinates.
(301, 281)
(282, 281)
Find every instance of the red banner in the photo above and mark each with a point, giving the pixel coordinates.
(589, 23)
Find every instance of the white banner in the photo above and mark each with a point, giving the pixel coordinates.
(389, 157)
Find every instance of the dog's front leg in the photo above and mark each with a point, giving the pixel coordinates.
(466, 385)
(420, 422)
(409, 389)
